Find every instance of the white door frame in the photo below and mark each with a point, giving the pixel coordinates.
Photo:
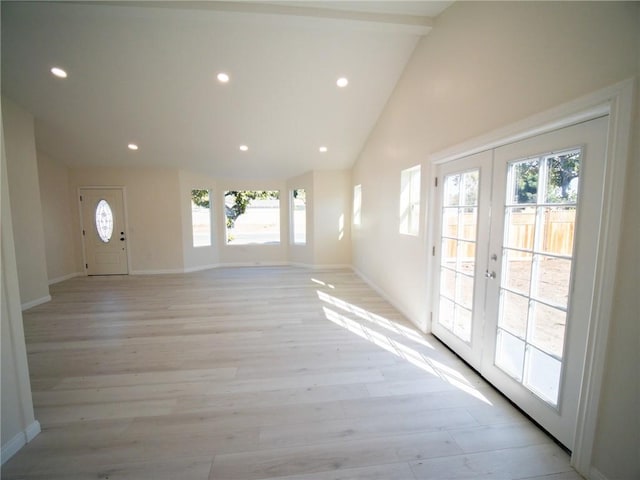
(126, 221)
(617, 102)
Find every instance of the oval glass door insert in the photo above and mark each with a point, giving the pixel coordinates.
(104, 221)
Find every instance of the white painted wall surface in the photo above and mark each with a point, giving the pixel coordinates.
(331, 217)
(61, 240)
(485, 66)
(153, 212)
(24, 193)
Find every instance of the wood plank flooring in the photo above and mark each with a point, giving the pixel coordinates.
(258, 373)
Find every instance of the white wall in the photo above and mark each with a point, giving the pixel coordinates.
(24, 192)
(331, 217)
(484, 66)
(61, 240)
(197, 258)
(18, 425)
(153, 212)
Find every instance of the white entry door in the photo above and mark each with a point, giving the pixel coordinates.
(534, 269)
(103, 230)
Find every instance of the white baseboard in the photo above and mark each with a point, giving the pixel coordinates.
(157, 272)
(387, 297)
(65, 277)
(201, 267)
(253, 264)
(595, 474)
(14, 445)
(36, 302)
(332, 266)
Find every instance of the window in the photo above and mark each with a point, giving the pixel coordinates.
(201, 217)
(299, 216)
(357, 204)
(104, 221)
(410, 201)
(253, 217)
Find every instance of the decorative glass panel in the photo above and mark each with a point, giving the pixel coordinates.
(520, 225)
(558, 226)
(514, 313)
(552, 280)
(104, 221)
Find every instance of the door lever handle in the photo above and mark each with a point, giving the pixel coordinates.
(489, 274)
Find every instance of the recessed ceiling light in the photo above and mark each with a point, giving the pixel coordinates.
(323, 149)
(132, 146)
(223, 77)
(342, 82)
(244, 148)
(58, 72)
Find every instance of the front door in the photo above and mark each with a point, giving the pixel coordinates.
(103, 230)
(533, 273)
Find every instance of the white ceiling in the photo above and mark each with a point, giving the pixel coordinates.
(145, 72)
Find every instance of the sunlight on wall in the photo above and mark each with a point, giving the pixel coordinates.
(341, 227)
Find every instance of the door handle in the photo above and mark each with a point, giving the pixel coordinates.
(122, 239)
(489, 274)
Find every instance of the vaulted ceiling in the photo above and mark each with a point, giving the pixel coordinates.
(146, 73)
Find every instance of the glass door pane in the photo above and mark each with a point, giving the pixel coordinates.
(458, 246)
(540, 216)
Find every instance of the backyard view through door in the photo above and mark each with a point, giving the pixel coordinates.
(514, 298)
(103, 231)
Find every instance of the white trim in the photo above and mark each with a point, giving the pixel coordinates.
(595, 474)
(14, 445)
(68, 276)
(36, 302)
(200, 268)
(253, 264)
(32, 430)
(621, 109)
(387, 297)
(617, 102)
(166, 271)
(328, 266)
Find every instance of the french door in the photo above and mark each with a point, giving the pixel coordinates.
(517, 245)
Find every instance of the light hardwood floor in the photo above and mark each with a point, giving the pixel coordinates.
(258, 373)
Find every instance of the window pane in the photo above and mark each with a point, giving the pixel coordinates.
(510, 354)
(452, 190)
(448, 283)
(357, 204)
(514, 313)
(562, 177)
(470, 185)
(520, 227)
(260, 221)
(449, 253)
(517, 270)
(450, 222)
(467, 257)
(104, 221)
(559, 225)
(468, 223)
(552, 280)
(299, 216)
(523, 178)
(462, 323)
(547, 329)
(201, 217)
(464, 290)
(543, 375)
(445, 315)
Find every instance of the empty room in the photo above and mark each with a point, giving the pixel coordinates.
(320, 240)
